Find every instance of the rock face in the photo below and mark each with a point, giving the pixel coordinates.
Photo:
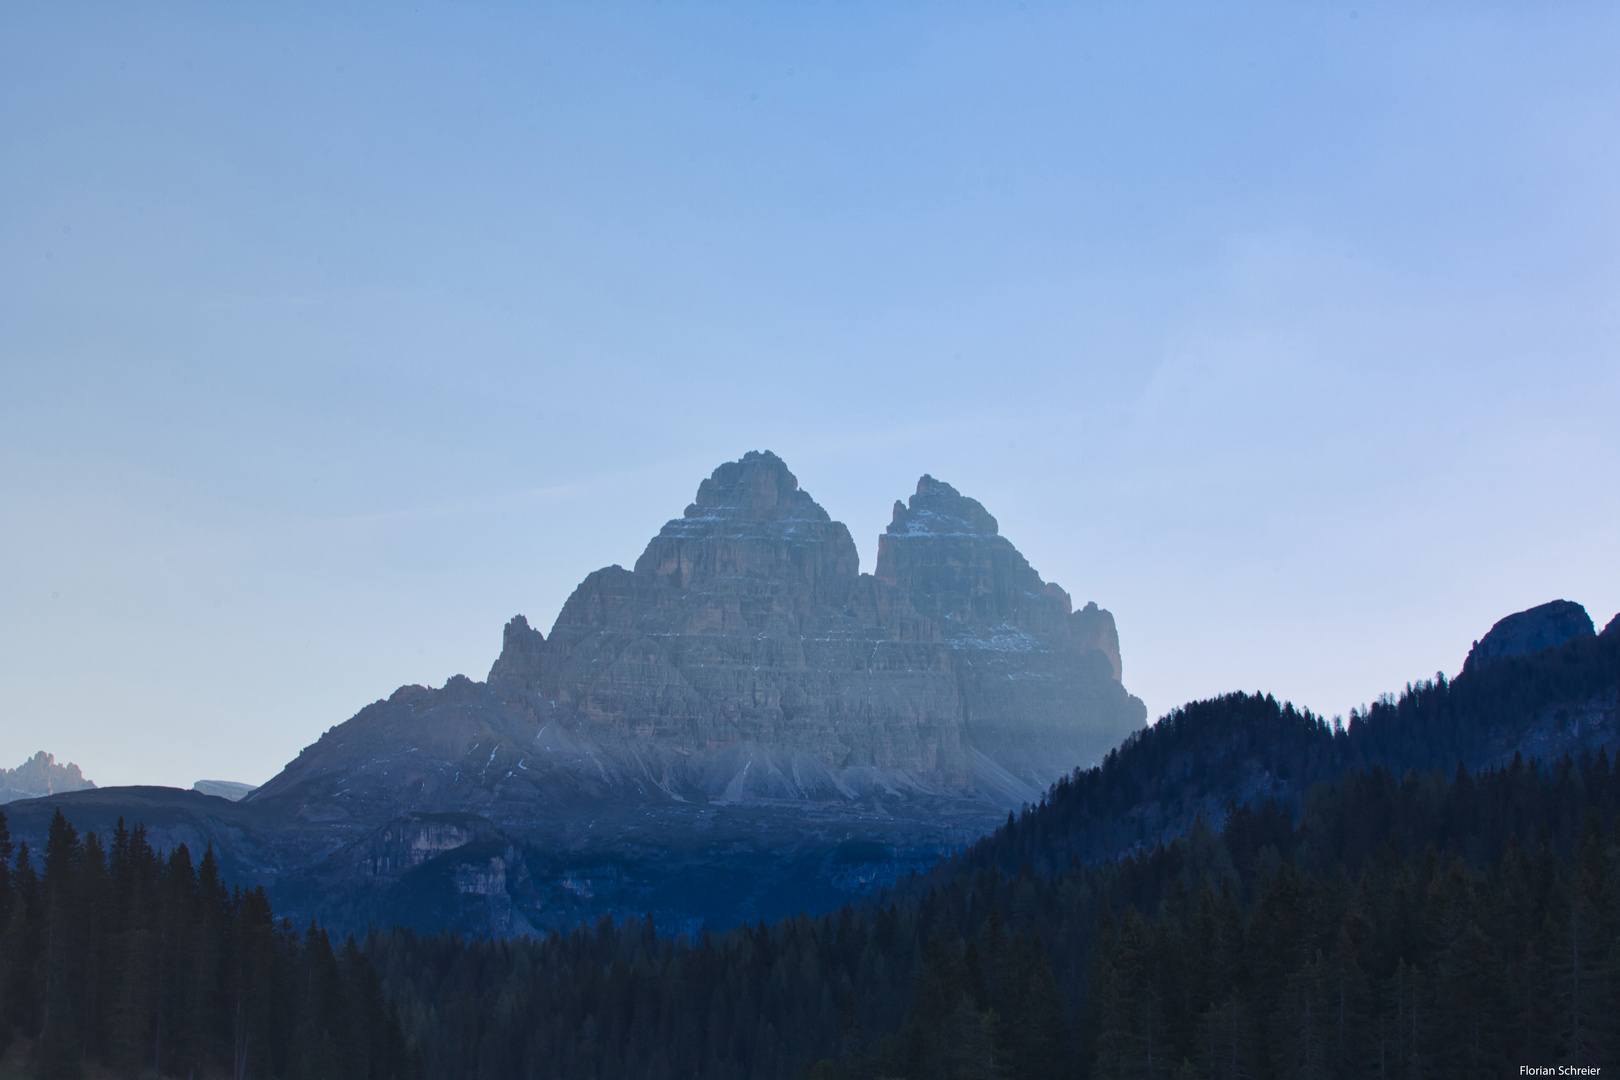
(522, 649)
(746, 658)
(40, 775)
(1545, 627)
(741, 725)
(746, 633)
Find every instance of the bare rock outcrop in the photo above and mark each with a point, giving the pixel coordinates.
(745, 657)
(742, 696)
(746, 632)
(1546, 626)
(522, 653)
(38, 776)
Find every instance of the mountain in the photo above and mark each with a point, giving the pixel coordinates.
(745, 658)
(741, 724)
(1535, 630)
(40, 775)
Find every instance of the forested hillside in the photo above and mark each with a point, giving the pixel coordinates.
(1419, 927)
(117, 956)
(1397, 931)
(1295, 899)
(1329, 921)
(1239, 748)
(1427, 926)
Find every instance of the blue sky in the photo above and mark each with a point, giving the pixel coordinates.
(332, 336)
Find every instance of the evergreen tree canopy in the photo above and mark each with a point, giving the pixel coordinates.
(139, 960)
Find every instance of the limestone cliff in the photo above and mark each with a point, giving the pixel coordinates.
(743, 688)
(745, 657)
(746, 632)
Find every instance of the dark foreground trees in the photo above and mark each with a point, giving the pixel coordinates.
(1462, 955)
(1426, 926)
(1418, 927)
(115, 954)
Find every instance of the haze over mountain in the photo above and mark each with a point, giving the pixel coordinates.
(745, 658)
(743, 702)
(40, 775)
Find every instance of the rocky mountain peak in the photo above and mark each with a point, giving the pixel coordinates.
(758, 487)
(938, 509)
(943, 554)
(1613, 627)
(1092, 628)
(1546, 626)
(752, 522)
(522, 648)
(40, 775)
(746, 658)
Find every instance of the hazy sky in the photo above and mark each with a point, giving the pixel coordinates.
(331, 338)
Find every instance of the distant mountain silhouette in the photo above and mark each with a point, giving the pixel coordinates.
(40, 775)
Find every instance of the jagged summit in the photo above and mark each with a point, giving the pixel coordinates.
(522, 652)
(938, 509)
(758, 487)
(750, 520)
(40, 775)
(1546, 626)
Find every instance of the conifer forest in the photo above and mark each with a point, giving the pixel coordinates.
(1373, 913)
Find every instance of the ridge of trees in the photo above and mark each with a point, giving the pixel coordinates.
(1241, 747)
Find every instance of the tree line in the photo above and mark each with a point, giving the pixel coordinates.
(1195, 759)
(118, 955)
(1420, 926)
